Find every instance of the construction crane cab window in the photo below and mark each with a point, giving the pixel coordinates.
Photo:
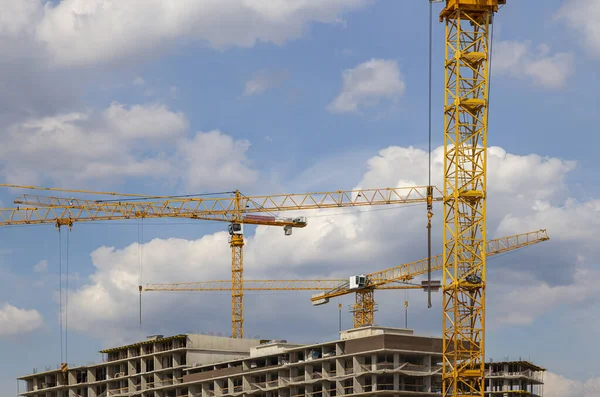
(236, 228)
(356, 282)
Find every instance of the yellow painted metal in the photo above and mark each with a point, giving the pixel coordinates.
(465, 142)
(409, 271)
(364, 307)
(237, 285)
(223, 208)
(263, 285)
(386, 278)
(249, 285)
(235, 209)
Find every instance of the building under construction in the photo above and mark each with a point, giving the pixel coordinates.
(363, 362)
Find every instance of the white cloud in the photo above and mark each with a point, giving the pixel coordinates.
(519, 60)
(582, 17)
(41, 266)
(367, 84)
(139, 81)
(84, 146)
(263, 81)
(530, 298)
(337, 244)
(120, 142)
(558, 386)
(15, 321)
(18, 16)
(214, 159)
(81, 32)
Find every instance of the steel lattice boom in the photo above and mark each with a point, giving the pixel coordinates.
(236, 209)
(364, 307)
(223, 208)
(409, 271)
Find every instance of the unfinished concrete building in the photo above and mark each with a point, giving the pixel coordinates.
(514, 378)
(364, 361)
(155, 367)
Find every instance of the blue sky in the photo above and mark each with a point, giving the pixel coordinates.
(168, 99)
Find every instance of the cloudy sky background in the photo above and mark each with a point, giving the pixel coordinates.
(162, 97)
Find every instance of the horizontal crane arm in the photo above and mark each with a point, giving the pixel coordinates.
(249, 204)
(411, 270)
(259, 285)
(336, 287)
(66, 211)
(66, 216)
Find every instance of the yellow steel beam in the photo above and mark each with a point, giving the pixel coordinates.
(212, 206)
(262, 285)
(237, 285)
(364, 307)
(408, 271)
(465, 187)
(235, 209)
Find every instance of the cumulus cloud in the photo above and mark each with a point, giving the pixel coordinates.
(41, 266)
(81, 146)
(215, 159)
(79, 32)
(138, 81)
(15, 321)
(120, 142)
(263, 81)
(367, 84)
(558, 386)
(339, 243)
(18, 18)
(531, 298)
(518, 59)
(582, 17)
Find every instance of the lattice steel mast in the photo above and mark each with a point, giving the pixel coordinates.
(468, 25)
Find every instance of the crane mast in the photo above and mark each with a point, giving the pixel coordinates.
(467, 56)
(237, 210)
(364, 289)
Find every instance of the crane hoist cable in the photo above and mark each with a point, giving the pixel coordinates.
(142, 197)
(429, 188)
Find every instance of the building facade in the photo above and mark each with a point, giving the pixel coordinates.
(363, 362)
(514, 378)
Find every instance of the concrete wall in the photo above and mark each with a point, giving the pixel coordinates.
(201, 358)
(221, 343)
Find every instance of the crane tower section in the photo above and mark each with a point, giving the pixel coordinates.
(467, 57)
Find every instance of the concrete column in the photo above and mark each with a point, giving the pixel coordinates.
(246, 383)
(203, 392)
(427, 380)
(357, 384)
(230, 385)
(373, 362)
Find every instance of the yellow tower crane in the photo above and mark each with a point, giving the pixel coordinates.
(467, 62)
(363, 285)
(236, 210)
